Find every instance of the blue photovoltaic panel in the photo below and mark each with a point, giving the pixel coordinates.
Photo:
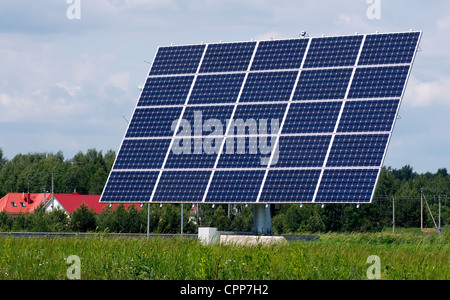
(378, 82)
(354, 186)
(200, 120)
(395, 48)
(304, 120)
(153, 122)
(278, 55)
(333, 51)
(177, 60)
(131, 186)
(301, 151)
(193, 153)
(246, 152)
(290, 186)
(315, 117)
(181, 186)
(223, 88)
(322, 84)
(257, 119)
(142, 154)
(165, 91)
(235, 186)
(268, 86)
(358, 150)
(366, 116)
(227, 57)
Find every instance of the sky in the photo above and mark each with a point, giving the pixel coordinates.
(70, 70)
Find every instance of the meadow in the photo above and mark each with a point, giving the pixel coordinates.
(409, 255)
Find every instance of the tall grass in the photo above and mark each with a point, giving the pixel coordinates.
(333, 256)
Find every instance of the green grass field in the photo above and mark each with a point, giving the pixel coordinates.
(409, 254)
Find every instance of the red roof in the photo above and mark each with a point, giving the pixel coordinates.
(72, 201)
(15, 203)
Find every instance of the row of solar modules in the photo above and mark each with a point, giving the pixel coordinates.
(291, 152)
(370, 82)
(302, 118)
(243, 186)
(379, 49)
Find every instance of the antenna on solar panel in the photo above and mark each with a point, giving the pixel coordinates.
(147, 62)
(125, 119)
(303, 34)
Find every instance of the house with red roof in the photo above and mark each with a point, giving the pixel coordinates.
(70, 202)
(15, 203)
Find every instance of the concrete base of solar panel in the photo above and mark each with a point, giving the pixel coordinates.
(211, 236)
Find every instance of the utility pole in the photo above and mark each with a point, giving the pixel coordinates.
(439, 214)
(393, 214)
(421, 208)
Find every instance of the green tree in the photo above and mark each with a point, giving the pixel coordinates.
(83, 219)
(315, 223)
(243, 221)
(220, 219)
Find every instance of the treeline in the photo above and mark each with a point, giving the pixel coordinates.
(87, 173)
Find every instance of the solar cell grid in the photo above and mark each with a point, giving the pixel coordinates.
(181, 186)
(235, 186)
(227, 57)
(290, 186)
(366, 116)
(268, 86)
(134, 154)
(333, 51)
(279, 55)
(379, 82)
(322, 84)
(358, 150)
(223, 88)
(153, 122)
(321, 110)
(313, 117)
(165, 91)
(177, 60)
(389, 48)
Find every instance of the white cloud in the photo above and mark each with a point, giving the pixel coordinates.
(421, 94)
(120, 80)
(270, 35)
(71, 90)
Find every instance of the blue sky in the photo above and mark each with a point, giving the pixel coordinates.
(66, 84)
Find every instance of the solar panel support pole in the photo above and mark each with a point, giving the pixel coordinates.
(148, 220)
(262, 219)
(181, 218)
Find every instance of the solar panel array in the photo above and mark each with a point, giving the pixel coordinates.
(279, 121)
